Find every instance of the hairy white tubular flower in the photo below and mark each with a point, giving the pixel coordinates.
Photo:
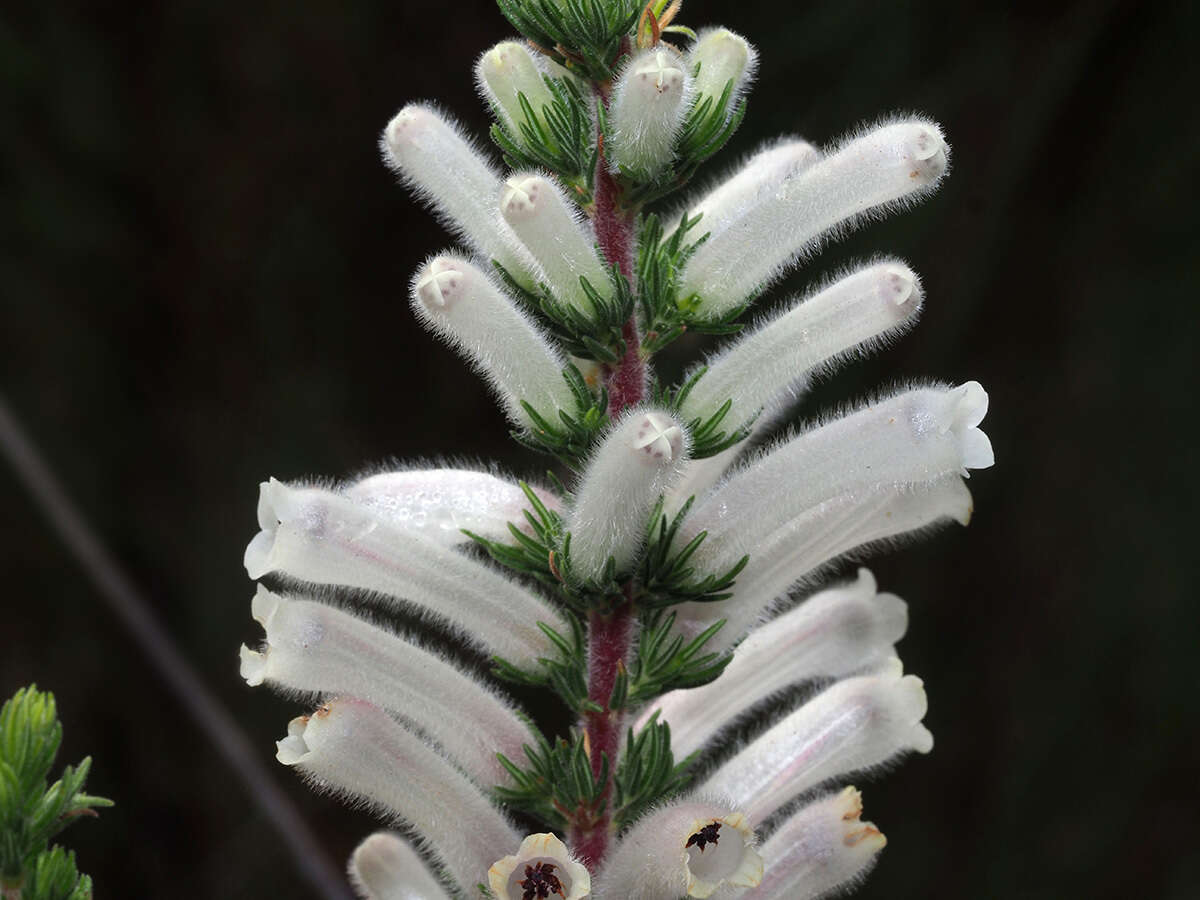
(650, 101)
(440, 503)
(633, 466)
(319, 536)
(832, 634)
(855, 724)
(858, 311)
(506, 72)
(313, 648)
(764, 172)
(867, 176)
(719, 57)
(386, 867)
(823, 847)
(800, 551)
(446, 172)
(692, 848)
(462, 305)
(541, 867)
(914, 437)
(351, 747)
(550, 227)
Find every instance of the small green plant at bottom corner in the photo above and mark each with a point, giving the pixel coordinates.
(32, 811)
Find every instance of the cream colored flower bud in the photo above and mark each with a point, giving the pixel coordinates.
(719, 57)
(507, 71)
(649, 105)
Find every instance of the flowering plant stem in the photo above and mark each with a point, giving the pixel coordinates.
(609, 632)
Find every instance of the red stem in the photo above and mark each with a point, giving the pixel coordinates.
(610, 632)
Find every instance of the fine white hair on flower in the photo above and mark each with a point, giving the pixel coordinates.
(870, 174)
(856, 522)
(651, 98)
(464, 306)
(856, 724)
(351, 747)
(855, 312)
(386, 867)
(834, 633)
(730, 195)
(913, 437)
(446, 171)
(551, 228)
(636, 462)
(319, 536)
(442, 503)
(313, 649)
(719, 58)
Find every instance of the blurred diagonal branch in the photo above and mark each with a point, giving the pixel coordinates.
(131, 608)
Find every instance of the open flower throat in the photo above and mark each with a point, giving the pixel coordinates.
(670, 588)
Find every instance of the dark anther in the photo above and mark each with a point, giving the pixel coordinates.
(706, 835)
(540, 882)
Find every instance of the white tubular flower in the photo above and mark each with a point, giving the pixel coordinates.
(313, 648)
(505, 72)
(649, 104)
(440, 503)
(353, 748)
(762, 173)
(458, 302)
(823, 847)
(445, 171)
(322, 537)
(862, 309)
(385, 867)
(719, 57)
(686, 848)
(829, 530)
(549, 226)
(855, 724)
(830, 635)
(541, 867)
(918, 436)
(634, 464)
(868, 175)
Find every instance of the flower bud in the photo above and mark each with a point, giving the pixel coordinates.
(385, 867)
(855, 724)
(833, 633)
(860, 310)
(650, 102)
(823, 847)
(633, 466)
(867, 176)
(463, 306)
(313, 648)
(503, 74)
(321, 537)
(353, 748)
(440, 503)
(685, 848)
(717, 58)
(550, 228)
(447, 173)
(541, 867)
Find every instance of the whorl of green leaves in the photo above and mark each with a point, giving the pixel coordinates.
(32, 811)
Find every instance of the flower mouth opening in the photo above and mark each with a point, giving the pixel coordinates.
(718, 852)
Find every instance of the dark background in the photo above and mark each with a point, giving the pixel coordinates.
(203, 273)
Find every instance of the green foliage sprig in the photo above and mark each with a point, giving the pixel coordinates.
(585, 36)
(31, 811)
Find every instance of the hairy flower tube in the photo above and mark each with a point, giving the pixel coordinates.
(673, 589)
